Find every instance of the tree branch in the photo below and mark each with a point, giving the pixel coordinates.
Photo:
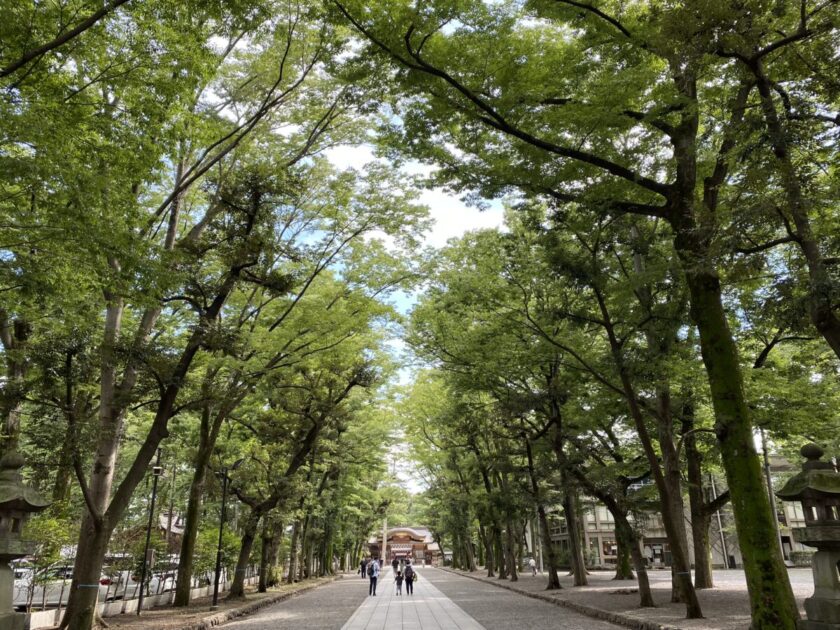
(81, 27)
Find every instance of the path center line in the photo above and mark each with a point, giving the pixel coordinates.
(427, 609)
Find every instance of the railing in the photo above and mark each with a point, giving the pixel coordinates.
(51, 618)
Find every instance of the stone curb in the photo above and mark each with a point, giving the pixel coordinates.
(590, 611)
(225, 616)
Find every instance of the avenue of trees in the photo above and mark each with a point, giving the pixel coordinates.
(184, 273)
(670, 269)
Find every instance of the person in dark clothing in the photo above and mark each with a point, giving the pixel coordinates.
(373, 574)
(395, 565)
(363, 568)
(409, 576)
(399, 580)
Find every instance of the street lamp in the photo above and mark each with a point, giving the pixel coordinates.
(223, 473)
(157, 471)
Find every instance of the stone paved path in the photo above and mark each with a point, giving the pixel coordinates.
(327, 607)
(499, 609)
(426, 609)
(442, 601)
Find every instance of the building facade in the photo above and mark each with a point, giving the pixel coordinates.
(402, 543)
(600, 546)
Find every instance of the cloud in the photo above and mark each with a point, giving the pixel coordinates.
(452, 216)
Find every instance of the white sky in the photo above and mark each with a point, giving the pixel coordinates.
(452, 218)
(451, 215)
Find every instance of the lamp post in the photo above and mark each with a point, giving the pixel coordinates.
(223, 473)
(157, 471)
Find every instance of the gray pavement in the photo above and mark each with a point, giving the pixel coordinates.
(498, 609)
(426, 609)
(327, 607)
(725, 607)
(441, 600)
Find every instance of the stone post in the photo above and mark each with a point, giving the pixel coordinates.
(818, 488)
(17, 503)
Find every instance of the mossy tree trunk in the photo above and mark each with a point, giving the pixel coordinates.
(771, 597)
(623, 568)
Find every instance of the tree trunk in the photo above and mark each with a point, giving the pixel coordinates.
(96, 530)
(191, 522)
(87, 570)
(469, 552)
(548, 550)
(700, 519)
(272, 536)
(484, 550)
(672, 477)
(625, 531)
(771, 597)
(510, 552)
(293, 545)
(249, 533)
(499, 553)
(578, 562)
(667, 483)
(623, 569)
(545, 532)
(305, 556)
(185, 560)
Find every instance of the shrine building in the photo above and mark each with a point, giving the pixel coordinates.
(407, 542)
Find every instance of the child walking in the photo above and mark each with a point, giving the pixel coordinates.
(399, 580)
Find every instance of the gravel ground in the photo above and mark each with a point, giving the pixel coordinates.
(170, 618)
(725, 607)
(498, 609)
(323, 608)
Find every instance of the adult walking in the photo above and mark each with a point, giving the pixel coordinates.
(363, 568)
(395, 564)
(409, 576)
(373, 574)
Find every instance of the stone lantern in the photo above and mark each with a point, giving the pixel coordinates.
(817, 487)
(17, 503)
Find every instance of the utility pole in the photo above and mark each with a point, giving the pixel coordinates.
(770, 493)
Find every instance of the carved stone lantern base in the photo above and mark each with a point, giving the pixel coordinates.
(823, 607)
(9, 620)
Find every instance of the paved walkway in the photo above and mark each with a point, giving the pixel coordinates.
(725, 607)
(426, 609)
(441, 600)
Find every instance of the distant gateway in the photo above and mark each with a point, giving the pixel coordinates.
(407, 542)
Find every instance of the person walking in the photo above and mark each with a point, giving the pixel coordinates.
(409, 578)
(395, 565)
(533, 564)
(399, 580)
(373, 574)
(363, 568)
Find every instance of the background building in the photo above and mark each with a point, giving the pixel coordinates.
(407, 542)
